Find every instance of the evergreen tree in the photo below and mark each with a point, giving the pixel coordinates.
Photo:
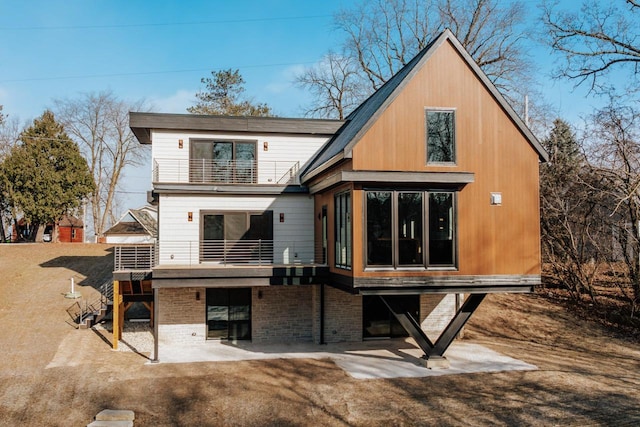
(45, 176)
(571, 226)
(224, 96)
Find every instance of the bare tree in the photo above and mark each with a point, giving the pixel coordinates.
(570, 226)
(336, 85)
(384, 35)
(99, 122)
(615, 159)
(601, 37)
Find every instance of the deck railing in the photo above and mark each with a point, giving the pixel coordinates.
(219, 253)
(134, 257)
(202, 171)
(239, 252)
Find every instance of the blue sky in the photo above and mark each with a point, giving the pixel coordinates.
(158, 50)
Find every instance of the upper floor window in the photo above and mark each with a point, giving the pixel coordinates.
(399, 222)
(441, 141)
(223, 161)
(342, 216)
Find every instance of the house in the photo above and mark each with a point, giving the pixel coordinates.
(70, 230)
(135, 226)
(397, 221)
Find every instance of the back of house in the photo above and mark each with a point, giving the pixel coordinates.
(396, 221)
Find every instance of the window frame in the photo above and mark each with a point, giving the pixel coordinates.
(348, 247)
(426, 242)
(453, 113)
(234, 171)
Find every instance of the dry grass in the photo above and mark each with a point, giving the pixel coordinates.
(53, 375)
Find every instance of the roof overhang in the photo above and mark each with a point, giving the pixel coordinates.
(143, 123)
(449, 179)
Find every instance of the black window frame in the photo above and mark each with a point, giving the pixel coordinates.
(200, 176)
(426, 242)
(452, 112)
(267, 242)
(340, 200)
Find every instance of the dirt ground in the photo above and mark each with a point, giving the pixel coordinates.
(54, 375)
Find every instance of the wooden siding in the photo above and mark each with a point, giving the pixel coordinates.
(491, 239)
(294, 235)
(65, 235)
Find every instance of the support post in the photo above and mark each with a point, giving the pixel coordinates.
(155, 325)
(457, 323)
(116, 313)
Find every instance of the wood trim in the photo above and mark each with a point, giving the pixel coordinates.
(455, 179)
(417, 282)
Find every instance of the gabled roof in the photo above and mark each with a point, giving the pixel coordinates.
(363, 117)
(70, 221)
(135, 221)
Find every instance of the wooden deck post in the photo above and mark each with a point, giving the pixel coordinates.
(117, 308)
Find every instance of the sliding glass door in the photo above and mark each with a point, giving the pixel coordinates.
(229, 314)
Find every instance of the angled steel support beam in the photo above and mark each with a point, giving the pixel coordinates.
(409, 324)
(455, 326)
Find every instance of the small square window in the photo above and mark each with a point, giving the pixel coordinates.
(441, 144)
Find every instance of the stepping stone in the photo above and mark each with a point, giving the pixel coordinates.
(112, 423)
(115, 415)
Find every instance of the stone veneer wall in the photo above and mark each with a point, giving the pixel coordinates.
(342, 314)
(436, 311)
(181, 317)
(281, 314)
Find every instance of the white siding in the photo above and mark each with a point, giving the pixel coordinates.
(179, 238)
(126, 239)
(281, 153)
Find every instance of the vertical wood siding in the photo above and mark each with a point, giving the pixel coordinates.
(491, 239)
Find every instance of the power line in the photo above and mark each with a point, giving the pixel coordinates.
(163, 24)
(147, 73)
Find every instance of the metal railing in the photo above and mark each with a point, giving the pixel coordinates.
(134, 257)
(202, 171)
(219, 253)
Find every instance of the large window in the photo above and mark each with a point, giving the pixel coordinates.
(223, 162)
(441, 142)
(343, 230)
(237, 237)
(399, 222)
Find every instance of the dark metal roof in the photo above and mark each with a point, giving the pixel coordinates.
(142, 123)
(363, 117)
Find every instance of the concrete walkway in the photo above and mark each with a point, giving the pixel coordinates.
(397, 358)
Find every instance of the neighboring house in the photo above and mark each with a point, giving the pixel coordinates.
(70, 230)
(396, 221)
(136, 226)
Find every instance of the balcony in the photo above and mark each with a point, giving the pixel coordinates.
(218, 253)
(134, 258)
(202, 171)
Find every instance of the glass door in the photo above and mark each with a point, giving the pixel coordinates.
(229, 314)
(379, 322)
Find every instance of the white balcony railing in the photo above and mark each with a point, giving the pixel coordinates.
(201, 171)
(218, 253)
(239, 252)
